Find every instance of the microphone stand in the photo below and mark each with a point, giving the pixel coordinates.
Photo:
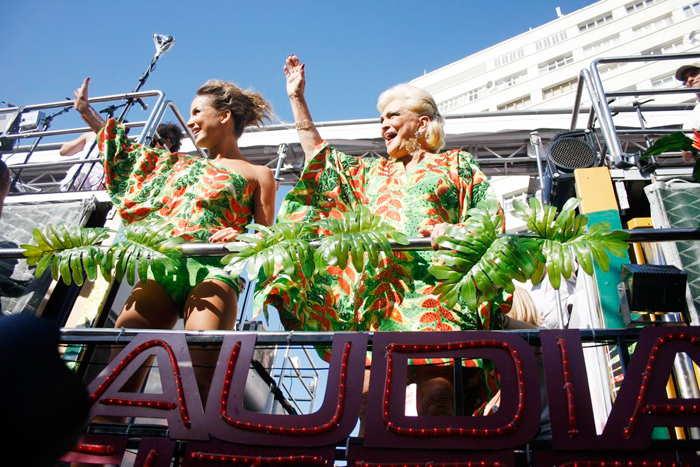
(142, 80)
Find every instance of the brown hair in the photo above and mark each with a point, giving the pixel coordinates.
(247, 106)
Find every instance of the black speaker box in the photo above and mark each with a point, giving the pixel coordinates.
(567, 152)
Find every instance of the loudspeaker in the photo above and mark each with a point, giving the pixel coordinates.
(567, 152)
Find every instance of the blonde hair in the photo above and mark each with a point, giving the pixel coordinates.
(247, 106)
(523, 308)
(422, 103)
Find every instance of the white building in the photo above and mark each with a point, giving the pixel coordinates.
(539, 69)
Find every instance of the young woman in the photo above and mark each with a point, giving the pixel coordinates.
(203, 200)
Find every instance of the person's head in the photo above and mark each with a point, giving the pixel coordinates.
(221, 108)
(524, 308)
(689, 75)
(4, 184)
(409, 115)
(171, 135)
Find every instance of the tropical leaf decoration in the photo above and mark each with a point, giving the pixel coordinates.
(354, 235)
(677, 141)
(477, 263)
(563, 237)
(285, 244)
(69, 252)
(147, 245)
(292, 255)
(301, 251)
(72, 252)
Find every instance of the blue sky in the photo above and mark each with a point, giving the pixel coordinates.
(353, 49)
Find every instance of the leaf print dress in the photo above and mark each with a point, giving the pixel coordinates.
(441, 188)
(192, 196)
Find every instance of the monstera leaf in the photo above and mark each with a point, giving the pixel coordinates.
(477, 263)
(72, 252)
(354, 235)
(69, 252)
(676, 141)
(285, 244)
(147, 245)
(300, 252)
(564, 237)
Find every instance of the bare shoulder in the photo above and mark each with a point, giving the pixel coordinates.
(256, 174)
(263, 174)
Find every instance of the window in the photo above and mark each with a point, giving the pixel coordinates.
(636, 6)
(692, 9)
(512, 80)
(600, 46)
(516, 104)
(559, 89)
(555, 64)
(507, 58)
(652, 26)
(665, 49)
(599, 21)
(664, 82)
(610, 69)
(461, 100)
(550, 41)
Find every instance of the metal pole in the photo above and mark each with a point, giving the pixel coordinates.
(415, 244)
(163, 44)
(268, 338)
(281, 154)
(535, 140)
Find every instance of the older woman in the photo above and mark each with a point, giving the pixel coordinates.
(418, 190)
(204, 200)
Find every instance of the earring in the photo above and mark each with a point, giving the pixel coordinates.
(413, 145)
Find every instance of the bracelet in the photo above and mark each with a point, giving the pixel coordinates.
(304, 124)
(95, 115)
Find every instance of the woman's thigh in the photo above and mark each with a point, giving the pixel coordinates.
(148, 307)
(212, 305)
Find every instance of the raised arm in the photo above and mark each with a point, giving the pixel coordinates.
(296, 82)
(73, 147)
(81, 104)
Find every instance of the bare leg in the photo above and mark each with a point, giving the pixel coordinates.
(148, 307)
(435, 392)
(212, 305)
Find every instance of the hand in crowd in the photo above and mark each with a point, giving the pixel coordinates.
(81, 103)
(227, 234)
(296, 79)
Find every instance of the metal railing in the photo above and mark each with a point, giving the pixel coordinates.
(12, 136)
(600, 103)
(415, 244)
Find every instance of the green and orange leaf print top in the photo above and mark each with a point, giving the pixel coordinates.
(441, 188)
(193, 196)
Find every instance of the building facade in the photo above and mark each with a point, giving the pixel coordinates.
(539, 69)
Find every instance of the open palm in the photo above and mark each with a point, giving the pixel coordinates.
(296, 80)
